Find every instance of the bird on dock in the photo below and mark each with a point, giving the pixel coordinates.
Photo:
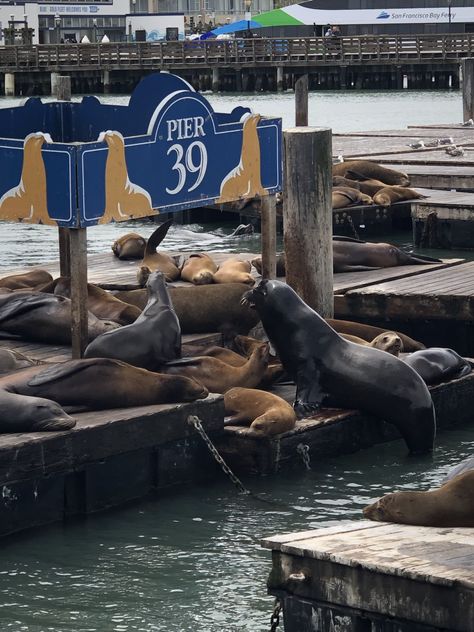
(418, 145)
(337, 159)
(447, 140)
(468, 123)
(454, 151)
(432, 143)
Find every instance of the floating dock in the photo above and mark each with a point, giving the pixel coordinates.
(367, 576)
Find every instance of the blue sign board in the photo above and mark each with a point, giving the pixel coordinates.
(166, 151)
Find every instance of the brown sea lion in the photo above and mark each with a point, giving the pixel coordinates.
(199, 269)
(368, 170)
(205, 308)
(451, 505)
(43, 317)
(225, 355)
(101, 383)
(345, 196)
(266, 413)
(369, 187)
(129, 246)
(389, 341)
(27, 280)
(153, 260)
(234, 271)
(369, 332)
(389, 195)
(219, 377)
(280, 264)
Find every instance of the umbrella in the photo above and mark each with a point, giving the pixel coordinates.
(241, 25)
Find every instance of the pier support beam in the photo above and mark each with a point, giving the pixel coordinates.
(106, 81)
(54, 83)
(307, 216)
(215, 79)
(78, 263)
(63, 88)
(301, 101)
(268, 230)
(238, 81)
(467, 67)
(280, 78)
(9, 84)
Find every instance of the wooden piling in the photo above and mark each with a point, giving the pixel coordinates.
(301, 101)
(63, 88)
(468, 88)
(268, 230)
(79, 314)
(307, 215)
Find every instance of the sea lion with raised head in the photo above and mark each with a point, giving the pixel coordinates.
(329, 370)
(389, 195)
(242, 229)
(234, 271)
(152, 340)
(451, 505)
(389, 341)
(129, 246)
(219, 377)
(160, 261)
(28, 280)
(436, 364)
(266, 413)
(44, 317)
(368, 170)
(369, 333)
(199, 269)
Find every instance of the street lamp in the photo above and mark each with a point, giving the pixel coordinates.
(134, 6)
(94, 24)
(57, 25)
(248, 15)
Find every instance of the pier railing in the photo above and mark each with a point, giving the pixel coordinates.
(311, 51)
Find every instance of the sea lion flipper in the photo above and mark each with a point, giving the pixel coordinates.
(155, 239)
(309, 395)
(22, 304)
(60, 371)
(182, 362)
(349, 268)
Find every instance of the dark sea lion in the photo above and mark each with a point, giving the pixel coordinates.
(153, 339)
(345, 196)
(451, 505)
(266, 413)
(205, 308)
(234, 271)
(368, 170)
(199, 269)
(464, 466)
(43, 317)
(31, 414)
(369, 332)
(219, 377)
(389, 195)
(242, 229)
(330, 370)
(101, 383)
(129, 246)
(101, 303)
(160, 261)
(27, 280)
(437, 365)
(11, 360)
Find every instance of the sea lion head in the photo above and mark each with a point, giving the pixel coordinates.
(205, 277)
(270, 294)
(185, 389)
(143, 273)
(389, 341)
(396, 507)
(48, 416)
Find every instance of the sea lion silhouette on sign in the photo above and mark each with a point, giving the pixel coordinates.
(123, 199)
(27, 201)
(244, 181)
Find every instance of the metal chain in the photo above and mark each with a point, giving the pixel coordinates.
(196, 422)
(351, 224)
(303, 451)
(275, 618)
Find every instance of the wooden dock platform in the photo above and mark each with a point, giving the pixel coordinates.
(367, 576)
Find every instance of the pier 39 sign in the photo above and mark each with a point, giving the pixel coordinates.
(92, 163)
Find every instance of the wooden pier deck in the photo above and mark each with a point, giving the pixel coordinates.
(374, 576)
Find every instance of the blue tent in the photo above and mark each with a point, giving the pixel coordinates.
(241, 25)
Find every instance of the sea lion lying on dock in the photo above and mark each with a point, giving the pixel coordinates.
(199, 269)
(346, 196)
(11, 360)
(27, 280)
(153, 339)
(389, 195)
(368, 170)
(330, 371)
(129, 246)
(436, 364)
(388, 341)
(369, 187)
(234, 271)
(266, 413)
(451, 505)
(160, 261)
(369, 332)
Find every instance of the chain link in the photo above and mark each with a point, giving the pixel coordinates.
(275, 618)
(303, 450)
(196, 422)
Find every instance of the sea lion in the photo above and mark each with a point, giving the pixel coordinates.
(451, 505)
(153, 260)
(266, 413)
(205, 308)
(346, 196)
(280, 264)
(123, 199)
(242, 229)
(464, 466)
(437, 365)
(101, 383)
(224, 355)
(369, 187)
(389, 195)
(27, 280)
(199, 269)
(234, 271)
(330, 370)
(153, 339)
(389, 341)
(368, 170)
(31, 414)
(28, 201)
(43, 317)
(219, 377)
(369, 332)
(129, 246)
(101, 303)
(11, 360)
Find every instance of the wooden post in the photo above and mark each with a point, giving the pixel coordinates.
(468, 88)
(301, 101)
(63, 88)
(268, 228)
(64, 258)
(307, 216)
(79, 313)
